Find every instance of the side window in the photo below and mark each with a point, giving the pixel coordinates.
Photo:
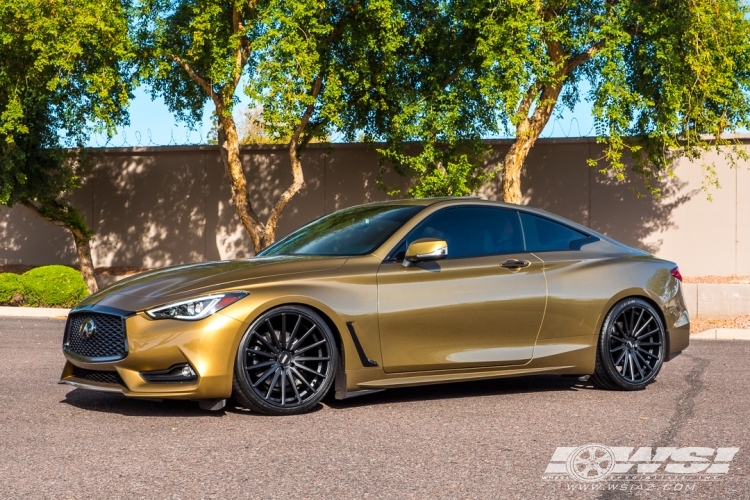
(471, 231)
(546, 235)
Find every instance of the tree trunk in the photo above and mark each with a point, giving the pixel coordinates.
(229, 145)
(64, 215)
(527, 132)
(298, 182)
(529, 128)
(86, 264)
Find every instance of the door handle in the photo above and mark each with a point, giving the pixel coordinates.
(515, 264)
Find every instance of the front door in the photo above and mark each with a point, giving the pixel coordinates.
(467, 310)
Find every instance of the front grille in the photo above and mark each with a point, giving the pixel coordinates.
(97, 376)
(105, 332)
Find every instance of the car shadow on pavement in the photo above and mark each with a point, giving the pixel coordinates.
(117, 403)
(473, 389)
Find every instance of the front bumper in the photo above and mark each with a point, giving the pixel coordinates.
(208, 346)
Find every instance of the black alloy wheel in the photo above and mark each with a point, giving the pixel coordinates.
(632, 346)
(286, 362)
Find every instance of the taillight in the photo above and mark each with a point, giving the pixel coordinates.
(676, 273)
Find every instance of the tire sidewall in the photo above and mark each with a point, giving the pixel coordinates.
(604, 343)
(239, 365)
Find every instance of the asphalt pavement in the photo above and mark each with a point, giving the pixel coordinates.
(484, 440)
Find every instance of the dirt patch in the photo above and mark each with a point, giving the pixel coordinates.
(698, 325)
(718, 280)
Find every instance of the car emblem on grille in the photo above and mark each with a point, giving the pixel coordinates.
(87, 328)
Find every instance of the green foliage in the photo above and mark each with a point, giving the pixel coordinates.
(11, 289)
(667, 80)
(63, 73)
(46, 286)
(53, 286)
(431, 97)
(317, 58)
(298, 58)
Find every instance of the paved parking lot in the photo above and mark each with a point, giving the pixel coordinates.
(484, 440)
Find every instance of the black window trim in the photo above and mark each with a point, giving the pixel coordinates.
(392, 258)
(579, 243)
(382, 242)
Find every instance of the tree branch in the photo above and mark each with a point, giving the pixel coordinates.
(201, 81)
(574, 61)
(242, 50)
(317, 86)
(299, 179)
(449, 79)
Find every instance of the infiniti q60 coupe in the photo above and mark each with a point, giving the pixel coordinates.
(385, 295)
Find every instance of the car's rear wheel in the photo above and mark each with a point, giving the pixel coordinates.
(631, 346)
(286, 362)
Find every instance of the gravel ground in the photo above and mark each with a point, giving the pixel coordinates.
(482, 440)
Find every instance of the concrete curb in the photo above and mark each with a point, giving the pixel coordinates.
(34, 312)
(723, 334)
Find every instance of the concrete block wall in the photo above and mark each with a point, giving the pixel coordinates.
(705, 299)
(170, 205)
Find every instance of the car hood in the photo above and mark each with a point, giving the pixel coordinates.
(174, 283)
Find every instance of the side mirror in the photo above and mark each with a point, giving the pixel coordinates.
(424, 250)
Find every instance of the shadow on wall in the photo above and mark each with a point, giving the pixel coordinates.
(164, 207)
(28, 239)
(152, 207)
(558, 179)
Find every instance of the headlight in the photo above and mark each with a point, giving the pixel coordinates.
(197, 308)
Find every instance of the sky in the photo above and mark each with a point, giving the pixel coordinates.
(152, 124)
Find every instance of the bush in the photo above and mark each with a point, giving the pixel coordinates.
(11, 289)
(53, 286)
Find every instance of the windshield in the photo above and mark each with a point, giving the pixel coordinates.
(352, 231)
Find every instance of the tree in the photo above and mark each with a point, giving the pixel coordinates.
(433, 116)
(667, 79)
(63, 74)
(301, 60)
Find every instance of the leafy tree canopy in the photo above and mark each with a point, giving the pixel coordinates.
(305, 63)
(63, 74)
(666, 78)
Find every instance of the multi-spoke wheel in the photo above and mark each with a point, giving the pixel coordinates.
(631, 346)
(286, 362)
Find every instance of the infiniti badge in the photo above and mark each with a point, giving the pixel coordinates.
(87, 329)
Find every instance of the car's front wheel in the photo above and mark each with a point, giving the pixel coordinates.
(631, 346)
(286, 362)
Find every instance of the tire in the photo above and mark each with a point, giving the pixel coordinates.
(631, 347)
(285, 363)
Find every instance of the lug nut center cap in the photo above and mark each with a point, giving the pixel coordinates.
(285, 359)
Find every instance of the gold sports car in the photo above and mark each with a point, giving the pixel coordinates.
(384, 295)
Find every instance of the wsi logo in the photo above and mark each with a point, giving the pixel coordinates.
(596, 462)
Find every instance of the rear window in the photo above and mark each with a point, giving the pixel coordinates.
(544, 235)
